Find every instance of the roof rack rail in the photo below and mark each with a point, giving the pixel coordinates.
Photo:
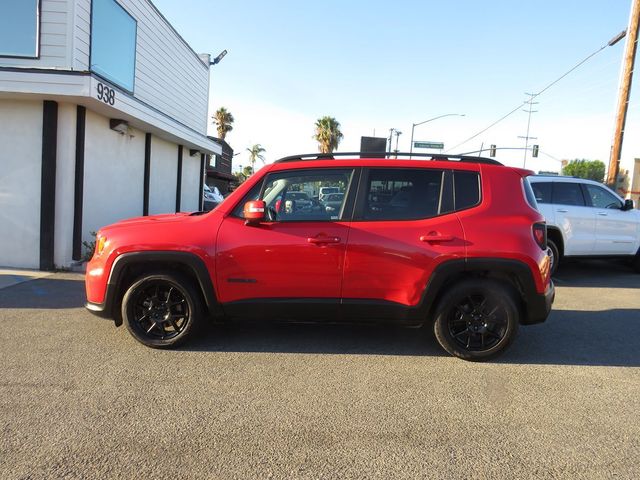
(385, 155)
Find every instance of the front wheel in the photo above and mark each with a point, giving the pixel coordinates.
(161, 310)
(476, 319)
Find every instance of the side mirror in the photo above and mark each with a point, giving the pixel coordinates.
(628, 205)
(254, 212)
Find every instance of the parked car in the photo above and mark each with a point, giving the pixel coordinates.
(463, 251)
(324, 191)
(212, 197)
(333, 201)
(587, 219)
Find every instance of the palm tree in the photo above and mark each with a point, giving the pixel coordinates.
(255, 153)
(224, 122)
(328, 134)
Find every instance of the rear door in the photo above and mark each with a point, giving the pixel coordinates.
(574, 217)
(404, 222)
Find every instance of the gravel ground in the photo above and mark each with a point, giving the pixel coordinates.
(81, 399)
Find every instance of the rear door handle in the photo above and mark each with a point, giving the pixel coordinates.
(603, 214)
(562, 210)
(323, 240)
(434, 237)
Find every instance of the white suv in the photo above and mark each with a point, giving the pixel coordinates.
(586, 219)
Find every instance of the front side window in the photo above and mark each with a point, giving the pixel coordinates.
(403, 194)
(565, 193)
(294, 196)
(19, 25)
(600, 198)
(113, 43)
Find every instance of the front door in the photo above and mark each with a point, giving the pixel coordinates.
(616, 229)
(294, 258)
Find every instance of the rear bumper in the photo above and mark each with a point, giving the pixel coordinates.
(539, 306)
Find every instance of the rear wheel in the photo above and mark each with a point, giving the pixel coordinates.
(161, 310)
(477, 319)
(554, 255)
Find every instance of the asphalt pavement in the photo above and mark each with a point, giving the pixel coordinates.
(80, 398)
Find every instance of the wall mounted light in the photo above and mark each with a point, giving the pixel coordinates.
(120, 126)
(218, 58)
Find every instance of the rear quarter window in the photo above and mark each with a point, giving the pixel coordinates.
(529, 193)
(466, 189)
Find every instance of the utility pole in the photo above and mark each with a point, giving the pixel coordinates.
(527, 137)
(625, 90)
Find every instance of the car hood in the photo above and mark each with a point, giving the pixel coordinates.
(149, 220)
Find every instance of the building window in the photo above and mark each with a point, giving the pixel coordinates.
(113, 43)
(19, 26)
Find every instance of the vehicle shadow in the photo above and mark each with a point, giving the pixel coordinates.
(569, 337)
(60, 291)
(597, 273)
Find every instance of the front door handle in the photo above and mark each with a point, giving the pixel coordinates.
(323, 240)
(602, 214)
(562, 210)
(435, 237)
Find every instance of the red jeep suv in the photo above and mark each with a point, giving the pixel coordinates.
(452, 242)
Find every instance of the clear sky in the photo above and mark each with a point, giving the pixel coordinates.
(376, 65)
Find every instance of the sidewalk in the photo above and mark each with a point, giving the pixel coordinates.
(12, 276)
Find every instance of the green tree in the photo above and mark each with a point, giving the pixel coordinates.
(255, 153)
(582, 168)
(328, 134)
(223, 121)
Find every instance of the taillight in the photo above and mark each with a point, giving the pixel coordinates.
(540, 235)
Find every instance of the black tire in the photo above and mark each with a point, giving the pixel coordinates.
(477, 319)
(636, 263)
(162, 310)
(555, 256)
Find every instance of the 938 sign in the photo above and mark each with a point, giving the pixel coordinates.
(106, 94)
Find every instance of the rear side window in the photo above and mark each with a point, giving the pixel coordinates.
(542, 191)
(466, 189)
(403, 194)
(565, 193)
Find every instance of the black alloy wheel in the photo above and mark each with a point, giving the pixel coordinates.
(161, 310)
(477, 323)
(477, 319)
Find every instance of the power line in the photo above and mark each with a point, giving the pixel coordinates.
(609, 43)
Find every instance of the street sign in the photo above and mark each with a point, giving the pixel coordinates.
(438, 145)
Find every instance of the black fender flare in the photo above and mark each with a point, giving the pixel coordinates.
(190, 261)
(536, 306)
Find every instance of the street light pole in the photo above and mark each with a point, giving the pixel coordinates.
(414, 125)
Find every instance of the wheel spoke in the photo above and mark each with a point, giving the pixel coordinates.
(174, 324)
(153, 325)
(171, 289)
(494, 335)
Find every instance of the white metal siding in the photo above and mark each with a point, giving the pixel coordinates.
(169, 75)
(81, 34)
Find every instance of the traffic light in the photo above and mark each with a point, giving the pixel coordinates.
(492, 151)
(534, 151)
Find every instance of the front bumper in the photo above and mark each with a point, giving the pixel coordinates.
(539, 306)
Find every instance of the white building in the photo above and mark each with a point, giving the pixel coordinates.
(103, 116)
